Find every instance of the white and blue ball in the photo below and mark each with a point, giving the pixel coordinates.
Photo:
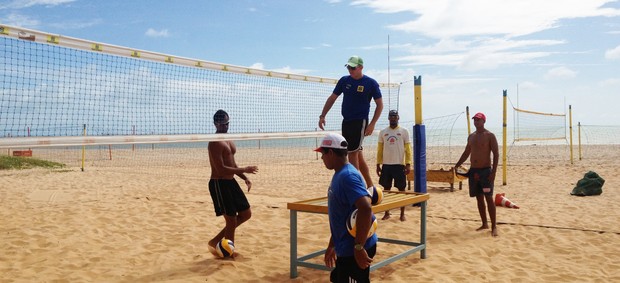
(225, 248)
(376, 195)
(351, 221)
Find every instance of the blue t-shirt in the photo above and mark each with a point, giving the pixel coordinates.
(347, 186)
(357, 96)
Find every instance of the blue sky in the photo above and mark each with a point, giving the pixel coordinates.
(552, 53)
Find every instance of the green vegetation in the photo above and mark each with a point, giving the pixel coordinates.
(10, 162)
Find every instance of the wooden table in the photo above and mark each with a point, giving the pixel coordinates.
(391, 200)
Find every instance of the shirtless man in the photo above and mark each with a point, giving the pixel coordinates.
(481, 144)
(228, 197)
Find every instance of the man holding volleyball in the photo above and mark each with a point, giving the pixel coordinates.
(351, 256)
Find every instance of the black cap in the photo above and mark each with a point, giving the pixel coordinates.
(393, 113)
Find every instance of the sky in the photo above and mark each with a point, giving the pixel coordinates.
(546, 54)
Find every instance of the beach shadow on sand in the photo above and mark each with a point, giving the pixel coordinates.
(201, 268)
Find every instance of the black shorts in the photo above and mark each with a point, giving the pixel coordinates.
(478, 180)
(347, 270)
(353, 132)
(227, 196)
(393, 172)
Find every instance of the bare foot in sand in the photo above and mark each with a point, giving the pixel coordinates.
(494, 232)
(402, 217)
(386, 216)
(483, 227)
(213, 251)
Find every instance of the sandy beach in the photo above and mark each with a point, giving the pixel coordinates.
(139, 224)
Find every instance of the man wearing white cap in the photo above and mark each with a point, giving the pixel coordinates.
(358, 90)
(351, 256)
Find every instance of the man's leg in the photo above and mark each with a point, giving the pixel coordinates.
(363, 167)
(232, 222)
(482, 211)
(492, 214)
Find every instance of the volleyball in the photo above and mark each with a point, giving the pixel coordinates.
(351, 224)
(376, 195)
(225, 248)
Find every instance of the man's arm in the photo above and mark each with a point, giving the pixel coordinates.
(464, 156)
(375, 116)
(495, 152)
(328, 105)
(362, 224)
(216, 153)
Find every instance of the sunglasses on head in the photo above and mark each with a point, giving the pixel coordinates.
(351, 68)
(223, 124)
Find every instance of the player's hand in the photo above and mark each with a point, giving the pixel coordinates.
(248, 183)
(330, 257)
(322, 123)
(362, 259)
(407, 170)
(379, 170)
(369, 130)
(250, 169)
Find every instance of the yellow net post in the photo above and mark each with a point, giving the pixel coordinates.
(579, 138)
(468, 121)
(504, 138)
(570, 129)
(417, 90)
(83, 149)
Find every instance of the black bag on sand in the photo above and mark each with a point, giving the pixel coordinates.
(590, 185)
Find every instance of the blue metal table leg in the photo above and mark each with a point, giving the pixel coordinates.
(293, 243)
(423, 229)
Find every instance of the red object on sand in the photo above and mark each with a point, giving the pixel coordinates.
(501, 200)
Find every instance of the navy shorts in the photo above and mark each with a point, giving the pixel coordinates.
(479, 180)
(395, 173)
(353, 132)
(227, 196)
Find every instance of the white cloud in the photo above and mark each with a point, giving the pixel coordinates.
(451, 18)
(155, 33)
(613, 54)
(19, 20)
(527, 85)
(20, 4)
(259, 66)
(290, 70)
(560, 73)
(610, 82)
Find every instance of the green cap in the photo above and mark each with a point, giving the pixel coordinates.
(355, 61)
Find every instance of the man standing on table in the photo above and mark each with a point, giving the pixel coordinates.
(480, 145)
(358, 90)
(351, 256)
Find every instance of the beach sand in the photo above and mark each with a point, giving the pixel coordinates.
(136, 224)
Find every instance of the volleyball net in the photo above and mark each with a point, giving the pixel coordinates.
(63, 94)
(538, 136)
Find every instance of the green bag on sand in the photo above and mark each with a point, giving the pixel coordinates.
(590, 185)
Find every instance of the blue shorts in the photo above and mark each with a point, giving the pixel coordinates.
(479, 180)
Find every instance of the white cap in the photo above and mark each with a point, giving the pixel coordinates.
(333, 140)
